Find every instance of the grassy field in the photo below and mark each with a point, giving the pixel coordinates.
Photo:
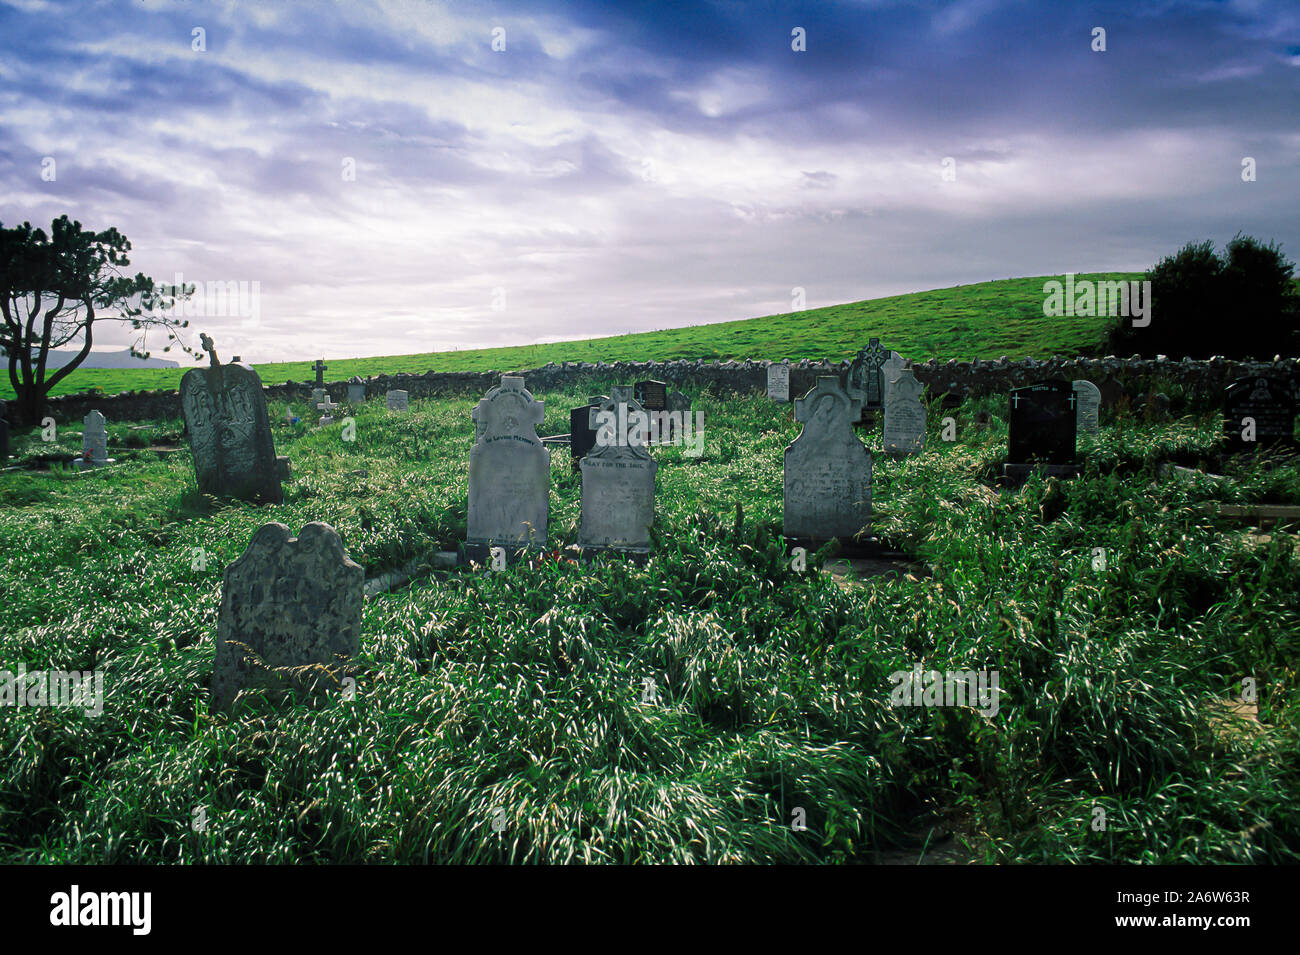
(984, 320)
(517, 698)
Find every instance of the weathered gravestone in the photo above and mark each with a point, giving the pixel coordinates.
(827, 491)
(618, 479)
(904, 414)
(1258, 412)
(396, 400)
(356, 391)
(230, 431)
(894, 364)
(509, 469)
(866, 380)
(94, 439)
(778, 382)
(1087, 399)
(675, 423)
(290, 612)
(1042, 429)
(582, 434)
(319, 368)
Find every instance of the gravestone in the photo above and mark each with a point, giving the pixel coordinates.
(327, 406)
(509, 469)
(827, 484)
(1087, 397)
(778, 382)
(319, 368)
(673, 423)
(904, 414)
(582, 435)
(94, 439)
(396, 401)
(651, 395)
(866, 380)
(356, 391)
(230, 432)
(287, 603)
(618, 482)
(1269, 404)
(4, 441)
(890, 369)
(1042, 429)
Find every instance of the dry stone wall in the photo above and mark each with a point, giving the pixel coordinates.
(1131, 376)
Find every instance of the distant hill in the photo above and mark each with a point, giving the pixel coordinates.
(108, 359)
(982, 320)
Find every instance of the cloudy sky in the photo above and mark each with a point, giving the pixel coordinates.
(395, 184)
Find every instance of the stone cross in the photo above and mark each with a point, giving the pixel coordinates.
(211, 349)
(866, 378)
(320, 367)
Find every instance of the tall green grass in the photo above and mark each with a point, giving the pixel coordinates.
(505, 718)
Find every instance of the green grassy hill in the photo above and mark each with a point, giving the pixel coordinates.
(984, 320)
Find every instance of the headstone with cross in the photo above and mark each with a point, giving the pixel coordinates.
(230, 433)
(327, 406)
(1042, 427)
(1258, 412)
(866, 380)
(509, 469)
(319, 368)
(827, 484)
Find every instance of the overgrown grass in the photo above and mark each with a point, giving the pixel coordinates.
(520, 699)
(982, 320)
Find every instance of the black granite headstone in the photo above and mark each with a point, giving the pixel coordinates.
(1268, 404)
(651, 395)
(1042, 424)
(582, 436)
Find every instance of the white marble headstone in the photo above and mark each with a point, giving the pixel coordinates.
(1087, 406)
(94, 437)
(827, 489)
(618, 478)
(509, 469)
(778, 382)
(904, 414)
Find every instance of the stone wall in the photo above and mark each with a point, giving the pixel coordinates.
(1129, 376)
